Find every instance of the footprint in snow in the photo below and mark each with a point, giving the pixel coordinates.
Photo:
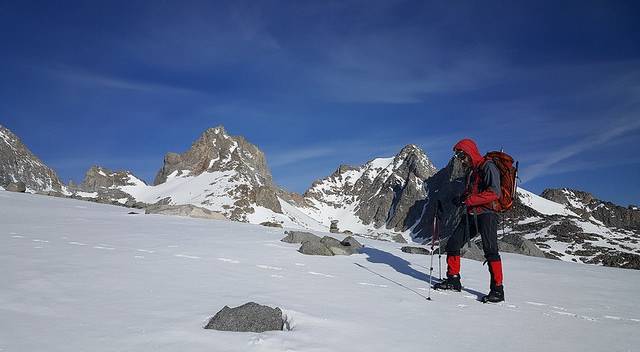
(611, 317)
(37, 247)
(370, 284)
(105, 248)
(145, 251)
(227, 260)
(268, 267)
(17, 236)
(139, 257)
(462, 305)
(78, 243)
(186, 256)
(300, 264)
(277, 276)
(536, 304)
(320, 274)
(43, 241)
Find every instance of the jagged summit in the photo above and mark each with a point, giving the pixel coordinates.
(375, 197)
(98, 177)
(18, 163)
(588, 206)
(216, 150)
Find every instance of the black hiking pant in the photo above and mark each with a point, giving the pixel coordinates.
(488, 229)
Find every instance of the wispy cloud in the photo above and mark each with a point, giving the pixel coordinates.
(83, 76)
(545, 166)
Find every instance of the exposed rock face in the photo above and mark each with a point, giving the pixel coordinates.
(333, 228)
(381, 194)
(98, 178)
(19, 164)
(299, 237)
(514, 243)
(250, 317)
(315, 248)
(230, 161)
(19, 187)
(215, 150)
(327, 246)
(184, 210)
(570, 231)
(586, 205)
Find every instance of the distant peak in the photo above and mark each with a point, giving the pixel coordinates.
(411, 149)
(216, 130)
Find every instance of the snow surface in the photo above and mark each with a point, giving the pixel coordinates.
(81, 276)
(543, 205)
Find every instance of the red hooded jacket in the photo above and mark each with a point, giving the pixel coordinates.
(484, 187)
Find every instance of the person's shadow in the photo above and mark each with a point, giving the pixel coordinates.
(403, 266)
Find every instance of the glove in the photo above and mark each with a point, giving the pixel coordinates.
(458, 201)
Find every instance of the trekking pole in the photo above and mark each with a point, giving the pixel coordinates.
(431, 265)
(440, 211)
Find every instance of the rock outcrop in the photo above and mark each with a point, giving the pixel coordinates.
(380, 194)
(249, 317)
(19, 187)
(226, 160)
(19, 164)
(184, 210)
(98, 178)
(586, 205)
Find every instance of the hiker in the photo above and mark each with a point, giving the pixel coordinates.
(482, 191)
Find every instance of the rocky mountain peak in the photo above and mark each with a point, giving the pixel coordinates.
(381, 193)
(588, 206)
(19, 164)
(567, 196)
(98, 177)
(216, 150)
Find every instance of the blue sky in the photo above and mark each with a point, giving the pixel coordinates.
(316, 84)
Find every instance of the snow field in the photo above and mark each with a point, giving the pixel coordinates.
(82, 276)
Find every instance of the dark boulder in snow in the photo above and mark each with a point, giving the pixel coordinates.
(299, 237)
(352, 242)
(271, 224)
(250, 317)
(514, 243)
(334, 227)
(315, 248)
(17, 187)
(329, 246)
(415, 250)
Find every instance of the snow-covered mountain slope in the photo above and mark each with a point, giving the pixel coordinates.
(376, 198)
(19, 164)
(80, 276)
(542, 205)
(589, 207)
(219, 172)
(558, 231)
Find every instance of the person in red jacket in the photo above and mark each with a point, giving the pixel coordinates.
(482, 190)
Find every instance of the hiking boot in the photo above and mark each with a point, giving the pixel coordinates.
(450, 283)
(495, 295)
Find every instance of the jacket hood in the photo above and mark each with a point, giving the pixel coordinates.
(470, 148)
